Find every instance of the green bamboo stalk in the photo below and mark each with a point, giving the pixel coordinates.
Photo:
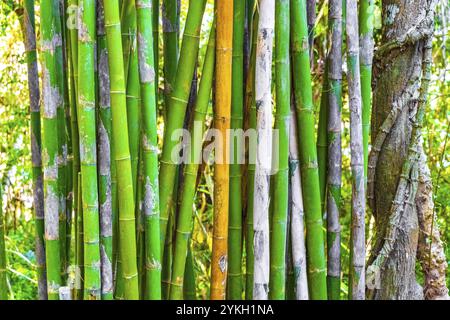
(29, 37)
(281, 180)
(70, 161)
(51, 97)
(177, 109)
(133, 110)
(88, 154)
(127, 227)
(128, 27)
(189, 287)
(3, 281)
(334, 63)
(290, 275)
(132, 81)
(62, 145)
(194, 149)
(307, 151)
(251, 107)
(104, 123)
(72, 16)
(167, 257)
(68, 152)
(147, 76)
(248, 21)
(171, 30)
(169, 245)
(366, 43)
(140, 232)
(79, 251)
(72, 13)
(62, 136)
(74, 142)
(322, 141)
(155, 28)
(234, 285)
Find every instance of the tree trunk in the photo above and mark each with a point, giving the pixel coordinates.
(401, 68)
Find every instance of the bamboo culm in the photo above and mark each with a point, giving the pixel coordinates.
(281, 180)
(263, 98)
(366, 45)
(62, 136)
(307, 151)
(297, 223)
(171, 30)
(177, 110)
(251, 115)
(104, 133)
(334, 149)
(185, 215)
(29, 35)
(234, 281)
(357, 250)
(147, 76)
(132, 84)
(50, 100)
(127, 227)
(222, 114)
(88, 152)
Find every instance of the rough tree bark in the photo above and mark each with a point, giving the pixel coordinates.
(397, 197)
(431, 250)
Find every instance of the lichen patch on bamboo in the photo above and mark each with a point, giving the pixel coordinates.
(366, 44)
(51, 214)
(104, 147)
(50, 168)
(106, 271)
(104, 81)
(62, 157)
(106, 228)
(38, 197)
(35, 151)
(149, 198)
(50, 95)
(83, 32)
(146, 71)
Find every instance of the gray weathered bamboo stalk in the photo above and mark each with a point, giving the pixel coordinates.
(35, 130)
(263, 97)
(334, 149)
(296, 214)
(104, 132)
(357, 250)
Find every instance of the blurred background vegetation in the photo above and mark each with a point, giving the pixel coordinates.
(15, 156)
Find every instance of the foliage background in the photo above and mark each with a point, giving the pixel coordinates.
(15, 158)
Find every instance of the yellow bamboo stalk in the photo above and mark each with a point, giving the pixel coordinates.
(222, 115)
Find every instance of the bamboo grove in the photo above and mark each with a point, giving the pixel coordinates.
(114, 210)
